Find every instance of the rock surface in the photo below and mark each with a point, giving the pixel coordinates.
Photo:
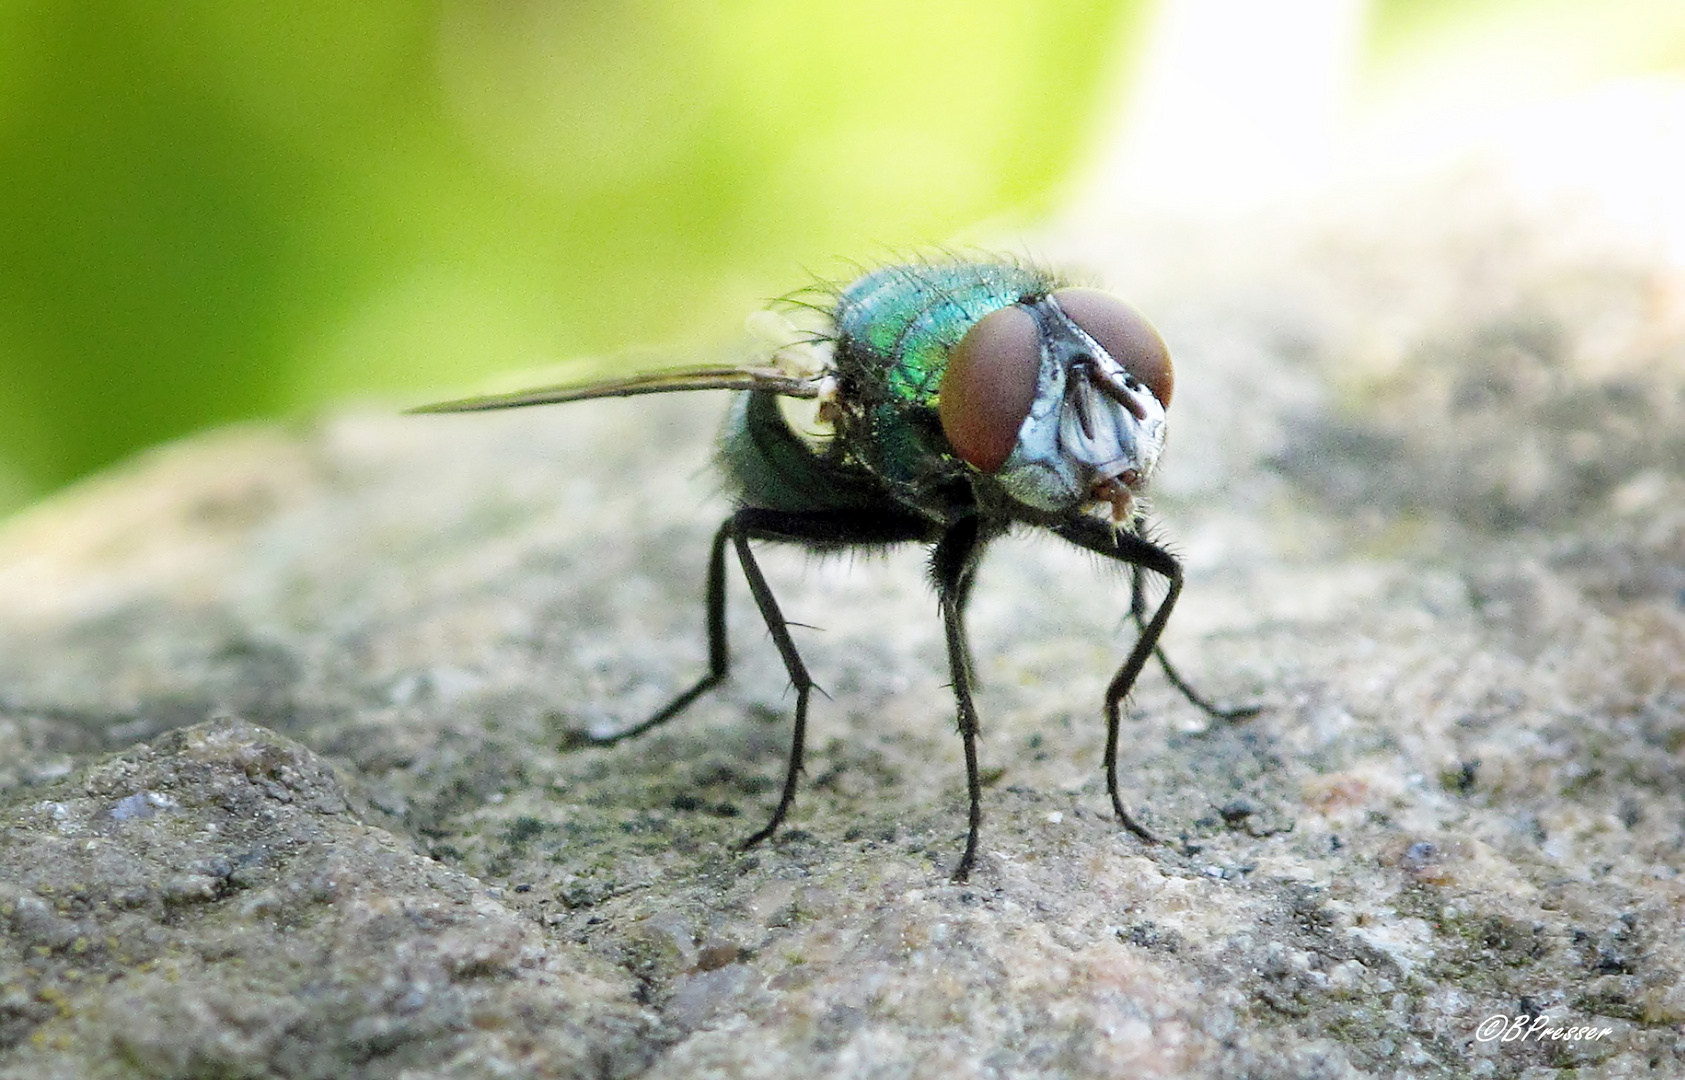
(291, 781)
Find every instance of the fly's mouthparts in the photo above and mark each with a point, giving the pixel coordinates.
(1117, 491)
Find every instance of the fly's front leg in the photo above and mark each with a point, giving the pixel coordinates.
(1098, 537)
(953, 565)
(1138, 612)
(967, 580)
(719, 649)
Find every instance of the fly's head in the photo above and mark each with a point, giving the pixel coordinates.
(1060, 399)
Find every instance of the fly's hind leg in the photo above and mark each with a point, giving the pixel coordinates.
(820, 529)
(719, 649)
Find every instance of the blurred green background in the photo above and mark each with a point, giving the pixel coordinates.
(213, 211)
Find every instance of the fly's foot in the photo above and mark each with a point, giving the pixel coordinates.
(745, 845)
(1141, 831)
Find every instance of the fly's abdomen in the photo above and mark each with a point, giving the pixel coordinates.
(895, 328)
(773, 469)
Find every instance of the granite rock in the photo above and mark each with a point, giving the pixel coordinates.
(292, 782)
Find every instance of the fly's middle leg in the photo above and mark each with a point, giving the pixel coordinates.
(820, 529)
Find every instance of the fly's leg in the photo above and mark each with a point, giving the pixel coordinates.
(963, 597)
(1096, 536)
(1138, 612)
(719, 649)
(824, 528)
(780, 631)
(821, 529)
(954, 565)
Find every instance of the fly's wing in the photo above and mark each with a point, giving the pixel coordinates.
(771, 379)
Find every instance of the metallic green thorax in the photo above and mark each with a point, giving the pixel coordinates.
(894, 331)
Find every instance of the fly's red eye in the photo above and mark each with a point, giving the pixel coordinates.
(990, 385)
(1125, 333)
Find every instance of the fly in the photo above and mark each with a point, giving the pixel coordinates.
(950, 402)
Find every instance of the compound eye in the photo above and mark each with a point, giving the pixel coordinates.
(1124, 333)
(990, 385)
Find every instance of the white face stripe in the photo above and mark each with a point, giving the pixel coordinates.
(1105, 434)
(1079, 437)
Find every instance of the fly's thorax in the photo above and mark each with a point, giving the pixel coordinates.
(1060, 401)
(772, 467)
(896, 330)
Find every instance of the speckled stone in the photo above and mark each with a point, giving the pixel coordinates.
(291, 784)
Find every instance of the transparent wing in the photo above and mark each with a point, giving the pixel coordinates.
(650, 382)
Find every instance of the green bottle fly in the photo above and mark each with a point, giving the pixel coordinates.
(952, 400)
